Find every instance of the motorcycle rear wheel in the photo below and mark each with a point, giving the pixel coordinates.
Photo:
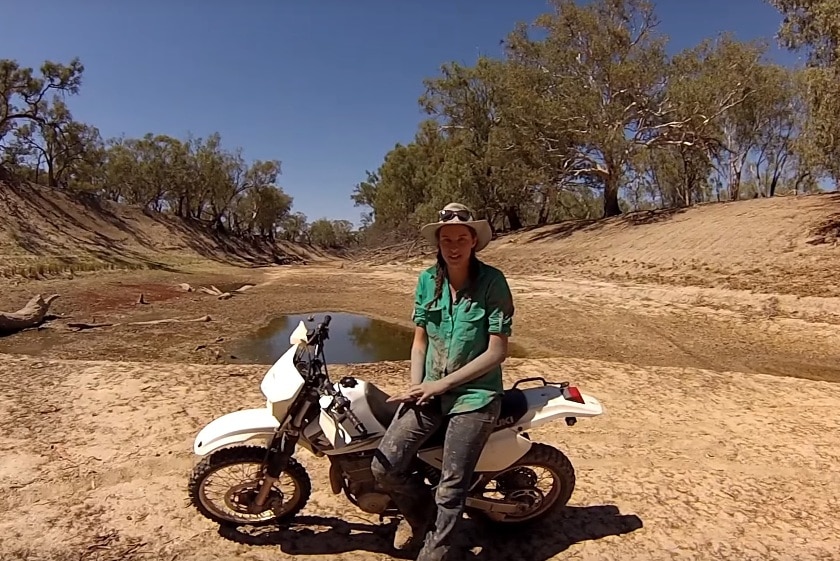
(281, 506)
(518, 483)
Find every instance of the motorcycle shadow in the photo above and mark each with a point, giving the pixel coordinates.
(482, 542)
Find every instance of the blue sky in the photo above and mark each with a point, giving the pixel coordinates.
(325, 86)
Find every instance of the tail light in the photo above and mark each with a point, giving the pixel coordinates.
(571, 393)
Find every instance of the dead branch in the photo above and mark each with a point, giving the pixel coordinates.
(213, 291)
(31, 315)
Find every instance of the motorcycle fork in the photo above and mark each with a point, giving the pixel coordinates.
(276, 459)
(281, 449)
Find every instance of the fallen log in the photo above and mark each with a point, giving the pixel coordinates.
(77, 326)
(31, 315)
(202, 319)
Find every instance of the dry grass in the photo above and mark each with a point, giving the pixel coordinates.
(40, 269)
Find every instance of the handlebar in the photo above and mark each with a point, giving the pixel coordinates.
(321, 332)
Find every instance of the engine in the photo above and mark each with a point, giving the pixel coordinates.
(352, 473)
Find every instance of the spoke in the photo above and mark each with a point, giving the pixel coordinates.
(245, 478)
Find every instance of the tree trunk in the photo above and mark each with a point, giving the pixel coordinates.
(514, 221)
(773, 184)
(735, 188)
(542, 216)
(52, 181)
(611, 206)
(29, 316)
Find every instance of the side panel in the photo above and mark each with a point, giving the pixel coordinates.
(359, 406)
(239, 426)
(333, 440)
(339, 437)
(313, 434)
(503, 448)
(337, 434)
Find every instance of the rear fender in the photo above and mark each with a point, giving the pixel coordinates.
(549, 403)
(237, 427)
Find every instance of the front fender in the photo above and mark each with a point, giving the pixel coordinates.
(239, 426)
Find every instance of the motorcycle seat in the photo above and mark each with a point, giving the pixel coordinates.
(381, 410)
(514, 406)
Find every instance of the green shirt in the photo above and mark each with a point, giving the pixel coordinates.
(459, 331)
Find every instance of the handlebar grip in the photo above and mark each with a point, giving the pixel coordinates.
(342, 406)
(357, 424)
(327, 320)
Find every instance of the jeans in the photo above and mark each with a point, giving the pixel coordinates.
(466, 435)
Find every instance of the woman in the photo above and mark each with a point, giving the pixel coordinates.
(463, 310)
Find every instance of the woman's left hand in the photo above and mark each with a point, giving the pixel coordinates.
(420, 393)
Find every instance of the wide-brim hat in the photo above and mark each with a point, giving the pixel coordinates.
(456, 213)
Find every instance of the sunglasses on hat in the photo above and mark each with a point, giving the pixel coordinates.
(462, 215)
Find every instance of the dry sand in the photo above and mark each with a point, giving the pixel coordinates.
(718, 370)
(685, 463)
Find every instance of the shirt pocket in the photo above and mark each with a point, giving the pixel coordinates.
(434, 320)
(471, 325)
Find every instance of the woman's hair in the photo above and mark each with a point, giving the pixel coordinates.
(440, 274)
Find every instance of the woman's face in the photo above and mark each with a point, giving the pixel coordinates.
(456, 243)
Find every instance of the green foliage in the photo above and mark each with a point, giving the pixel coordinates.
(23, 96)
(332, 233)
(814, 26)
(586, 113)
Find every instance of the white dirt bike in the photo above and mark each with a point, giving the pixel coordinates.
(345, 421)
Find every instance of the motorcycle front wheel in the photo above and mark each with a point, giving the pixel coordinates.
(224, 483)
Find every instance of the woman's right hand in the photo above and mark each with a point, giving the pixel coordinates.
(402, 397)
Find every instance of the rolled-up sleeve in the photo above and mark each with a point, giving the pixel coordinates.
(419, 314)
(500, 308)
